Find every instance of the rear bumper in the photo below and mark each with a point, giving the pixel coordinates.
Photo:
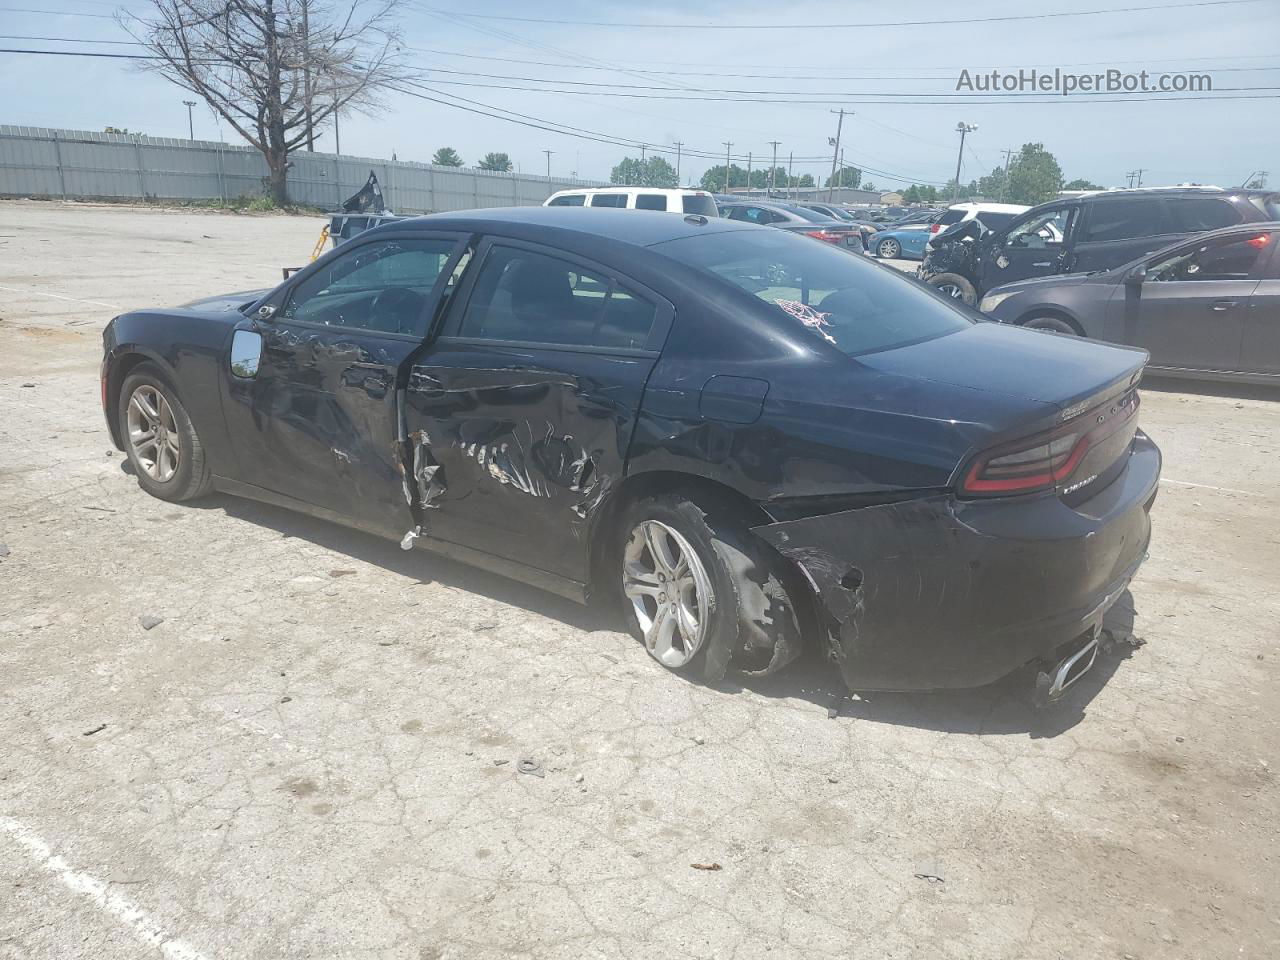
(939, 592)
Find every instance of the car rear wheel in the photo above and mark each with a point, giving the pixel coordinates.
(159, 439)
(889, 248)
(955, 286)
(697, 590)
(1051, 324)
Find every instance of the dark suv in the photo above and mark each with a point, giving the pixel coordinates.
(1094, 231)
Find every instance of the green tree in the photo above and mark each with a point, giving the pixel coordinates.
(1080, 183)
(495, 161)
(870, 186)
(760, 178)
(650, 172)
(1034, 176)
(994, 185)
(447, 157)
(713, 179)
(845, 177)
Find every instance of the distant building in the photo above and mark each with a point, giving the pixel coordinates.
(892, 199)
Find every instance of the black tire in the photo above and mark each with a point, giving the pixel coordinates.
(1052, 324)
(954, 285)
(888, 254)
(752, 620)
(192, 477)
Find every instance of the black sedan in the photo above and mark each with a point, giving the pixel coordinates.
(792, 216)
(1207, 307)
(740, 437)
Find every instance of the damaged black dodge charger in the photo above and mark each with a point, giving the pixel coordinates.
(740, 436)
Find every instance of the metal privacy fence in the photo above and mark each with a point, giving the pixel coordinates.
(78, 164)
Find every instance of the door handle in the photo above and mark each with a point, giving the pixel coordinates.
(1222, 305)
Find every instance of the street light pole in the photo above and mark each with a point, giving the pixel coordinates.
(191, 124)
(835, 153)
(962, 128)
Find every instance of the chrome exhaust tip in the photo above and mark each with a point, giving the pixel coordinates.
(1052, 683)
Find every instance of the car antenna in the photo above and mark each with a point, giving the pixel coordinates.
(697, 219)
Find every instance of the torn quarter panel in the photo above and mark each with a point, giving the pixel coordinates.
(939, 592)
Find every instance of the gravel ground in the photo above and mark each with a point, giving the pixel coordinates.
(315, 752)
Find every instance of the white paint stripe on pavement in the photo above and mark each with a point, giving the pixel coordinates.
(58, 296)
(124, 911)
(1207, 486)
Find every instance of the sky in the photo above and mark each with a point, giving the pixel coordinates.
(1205, 141)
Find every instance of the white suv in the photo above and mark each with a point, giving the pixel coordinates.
(993, 215)
(638, 198)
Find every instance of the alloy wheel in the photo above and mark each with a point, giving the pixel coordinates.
(153, 433)
(669, 591)
(889, 249)
(951, 290)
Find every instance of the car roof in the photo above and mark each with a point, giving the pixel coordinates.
(624, 187)
(989, 207)
(640, 227)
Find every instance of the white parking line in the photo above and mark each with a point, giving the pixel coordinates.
(117, 906)
(58, 296)
(1207, 486)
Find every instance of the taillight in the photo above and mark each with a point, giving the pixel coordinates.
(1043, 461)
(830, 236)
(935, 228)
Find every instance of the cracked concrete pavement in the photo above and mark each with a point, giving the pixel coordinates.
(314, 754)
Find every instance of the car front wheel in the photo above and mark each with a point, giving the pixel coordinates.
(698, 591)
(1051, 324)
(955, 286)
(889, 248)
(159, 438)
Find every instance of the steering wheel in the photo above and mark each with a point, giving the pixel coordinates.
(399, 305)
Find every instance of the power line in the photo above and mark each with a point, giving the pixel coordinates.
(1163, 7)
(60, 13)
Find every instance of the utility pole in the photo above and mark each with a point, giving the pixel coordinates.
(773, 167)
(548, 153)
(748, 171)
(1008, 165)
(643, 148)
(727, 147)
(191, 125)
(337, 135)
(679, 146)
(790, 160)
(835, 153)
(962, 128)
(306, 71)
(1132, 174)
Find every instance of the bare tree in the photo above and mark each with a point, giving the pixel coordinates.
(276, 70)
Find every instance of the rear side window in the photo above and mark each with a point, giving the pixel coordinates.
(994, 221)
(651, 201)
(1125, 220)
(950, 216)
(701, 205)
(572, 200)
(850, 303)
(1197, 214)
(527, 296)
(1229, 258)
(609, 200)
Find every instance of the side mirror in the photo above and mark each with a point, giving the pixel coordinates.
(1137, 276)
(266, 311)
(246, 352)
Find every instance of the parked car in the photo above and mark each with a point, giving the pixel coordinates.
(992, 215)
(927, 217)
(798, 219)
(1093, 231)
(906, 243)
(1206, 307)
(637, 198)
(719, 428)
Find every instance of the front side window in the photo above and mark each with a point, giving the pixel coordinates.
(609, 200)
(1045, 229)
(1228, 258)
(381, 287)
(525, 296)
(651, 201)
(699, 204)
(843, 300)
(570, 200)
(1125, 220)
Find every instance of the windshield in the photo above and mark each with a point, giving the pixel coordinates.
(848, 301)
